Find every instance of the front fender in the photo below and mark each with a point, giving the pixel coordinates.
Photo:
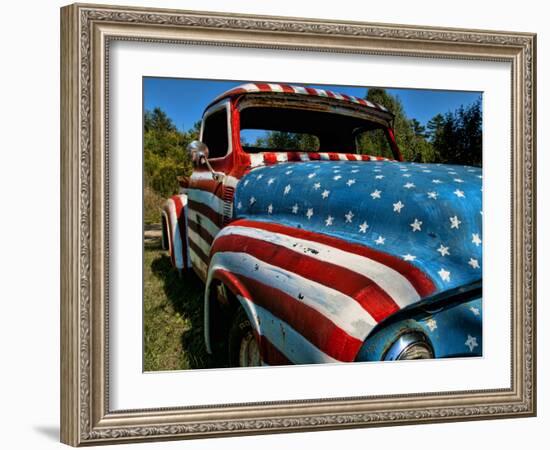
(174, 231)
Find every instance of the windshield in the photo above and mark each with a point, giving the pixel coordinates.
(276, 129)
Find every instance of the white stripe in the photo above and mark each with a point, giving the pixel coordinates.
(391, 281)
(342, 310)
(358, 157)
(354, 99)
(286, 339)
(321, 92)
(373, 158)
(299, 90)
(275, 87)
(324, 156)
(256, 159)
(338, 96)
(230, 181)
(282, 157)
(342, 157)
(206, 198)
(176, 238)
(304, 156)
(371, 104)
(249, 87)
(199, 241)
(204, 222)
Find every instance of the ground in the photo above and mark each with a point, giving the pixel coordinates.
(173, 313)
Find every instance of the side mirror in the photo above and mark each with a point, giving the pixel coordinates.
(198, 151)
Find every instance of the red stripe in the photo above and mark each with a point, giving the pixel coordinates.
(182, 228)
(421, 282)
(210, 186)
(202, 232)
(311, 91)
(205, 211)
(271, 354)
(270, 158)
(287, 88)
(347, 97)
(350, 157)
(362, 101)
(333, 156)
(370, 296)
(330, 94)
(314, 156)
(264, 87)
(311, 324)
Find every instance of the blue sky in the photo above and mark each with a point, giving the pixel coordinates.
(184, 100)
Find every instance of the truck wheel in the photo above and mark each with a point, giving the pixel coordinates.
(244, 350)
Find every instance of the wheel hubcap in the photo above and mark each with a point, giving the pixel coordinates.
(249, 352)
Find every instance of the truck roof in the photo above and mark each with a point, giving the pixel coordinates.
(287, 89)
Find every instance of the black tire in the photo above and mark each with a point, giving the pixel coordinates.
(240, 334)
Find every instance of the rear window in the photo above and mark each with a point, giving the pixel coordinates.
(265, 140)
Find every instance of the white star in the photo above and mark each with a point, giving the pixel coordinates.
(379, 177)
(363, 227)
(432, 194)
(311, 175)
(409, 257)
(436, 181)
(426, 171)
(445, 275)
(350, 181)
(474, 310)
(287, 189)
(397, 207)
(431, 324)
(270, 181)
(375, 194)
(354, 171)
(328, 221)
(309, 213)
(409, 185)
(295, 209)
(471, 343)
(459, 193)
(416, 225)
(474, 263)
(259, 177)
(252, 200)
(336, 177)
(288, 172)
(245, 182)
(325, 194)
(349, 217)
(377, 170)
(443, 250)
(380, 241)
(407, 175)
(239, 205)
(317, 186)
(476, 239)
(458, 180)
(455, 222)
(270, 209)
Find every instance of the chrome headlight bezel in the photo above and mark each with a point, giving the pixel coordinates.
(409, 346)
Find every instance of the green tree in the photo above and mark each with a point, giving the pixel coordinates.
(409, 133)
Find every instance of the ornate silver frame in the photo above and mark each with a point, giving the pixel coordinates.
(86, 31)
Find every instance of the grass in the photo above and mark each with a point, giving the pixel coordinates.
(173, 315)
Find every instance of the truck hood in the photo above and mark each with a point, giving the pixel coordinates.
(430, 215)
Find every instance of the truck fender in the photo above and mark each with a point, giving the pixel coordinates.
(174, 231)
(239, 291)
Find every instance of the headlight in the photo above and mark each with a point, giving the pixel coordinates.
(409, 346)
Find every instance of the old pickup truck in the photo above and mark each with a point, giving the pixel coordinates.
(322, 249)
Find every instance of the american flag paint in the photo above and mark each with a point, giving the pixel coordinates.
(330, 249)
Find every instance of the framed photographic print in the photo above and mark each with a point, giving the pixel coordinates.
(276, 224)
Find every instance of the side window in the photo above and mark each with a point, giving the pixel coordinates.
(373, 142)
(215, 134)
